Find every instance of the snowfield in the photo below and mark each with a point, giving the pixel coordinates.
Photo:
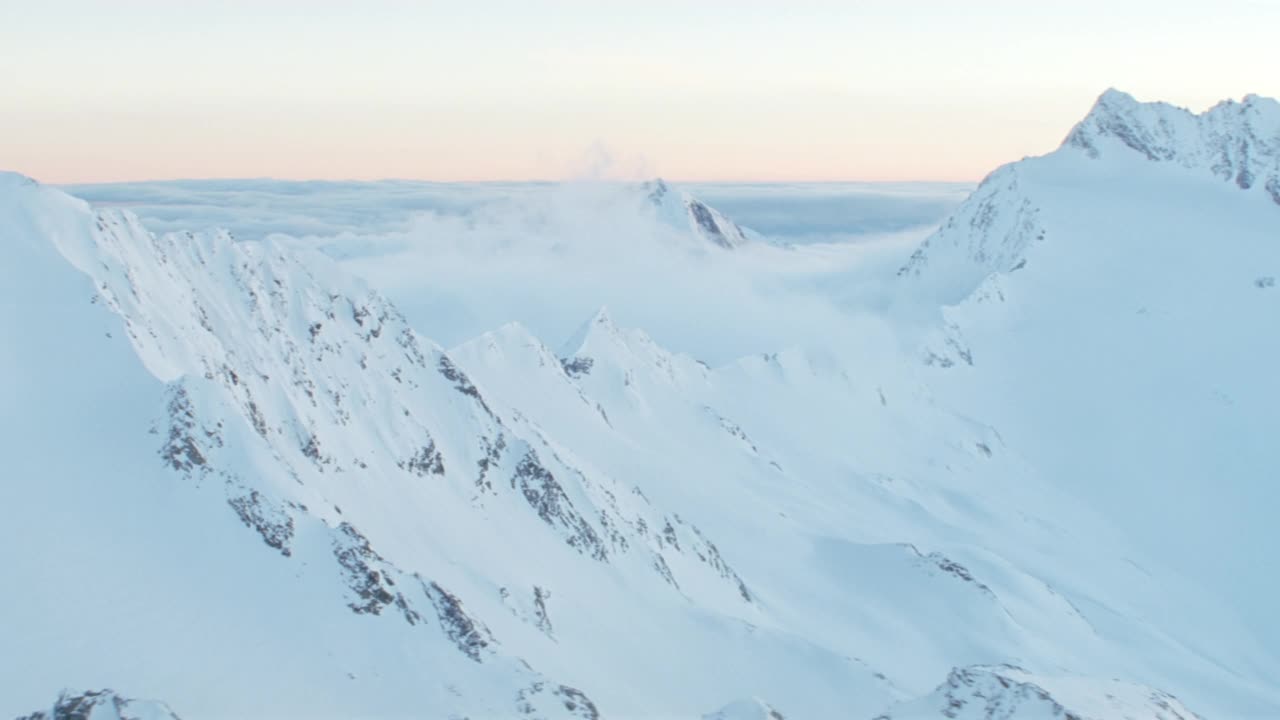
(1022, 468)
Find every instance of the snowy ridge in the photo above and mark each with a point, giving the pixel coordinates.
(310, 409)
(994, 229)
(990, 232)
(1236, 141)
(678, 207)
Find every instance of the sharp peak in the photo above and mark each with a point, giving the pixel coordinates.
(1114, 95)
(1114, 103)
(602, 316)
(600, 321)
(1165, 132)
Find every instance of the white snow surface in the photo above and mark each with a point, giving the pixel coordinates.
(1033, 480)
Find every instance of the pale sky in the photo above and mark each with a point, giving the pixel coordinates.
(509, 90)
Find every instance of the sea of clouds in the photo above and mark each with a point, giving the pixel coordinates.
(463, 258)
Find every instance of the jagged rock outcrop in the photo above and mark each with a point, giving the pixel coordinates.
(993, 230)
(1237, 141)
(1010, 693)
(102, 705)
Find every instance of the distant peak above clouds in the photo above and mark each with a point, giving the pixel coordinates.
(678, 207)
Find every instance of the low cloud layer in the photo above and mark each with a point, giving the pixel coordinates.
(252, 209)
(460, 259)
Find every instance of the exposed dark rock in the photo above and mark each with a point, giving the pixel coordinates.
(529, 701)
(256, 418)
(576, 702)
(660, 565)
(540, 598)
(733, 429)
(181, 450)
(407, 340)
(311, 450)
(468, 635)
(454, 374)
(710, 554)
(657, 189)
(702, 216)
(427, 460)
(669, 535)
(461, 382)
(273, 524)
(947, 565)
(101, 705)
(577, 367)
(545, 495)
(492, 454)
(371, 585)
(933, 359)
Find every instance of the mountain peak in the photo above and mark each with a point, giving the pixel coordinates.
(600, 323)
(1234, 141)
(681, 209)
(1238, 141)
(1115, 96)
(1156, 130)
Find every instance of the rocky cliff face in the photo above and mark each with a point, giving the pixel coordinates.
(102, 705)
(1238, 142)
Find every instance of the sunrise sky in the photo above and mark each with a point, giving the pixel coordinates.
(496, 89)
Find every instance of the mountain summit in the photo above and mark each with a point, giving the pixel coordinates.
(1235, 141)
(1232, 143)
(678, 207)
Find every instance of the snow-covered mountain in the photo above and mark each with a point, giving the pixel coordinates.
(1236, 144)
(244, 484)
(1122, 344)
(678, 207)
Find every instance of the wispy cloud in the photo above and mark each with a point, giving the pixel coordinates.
(460, 259)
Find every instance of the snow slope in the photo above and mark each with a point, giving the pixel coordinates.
(250, 488)
(1138, 317)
